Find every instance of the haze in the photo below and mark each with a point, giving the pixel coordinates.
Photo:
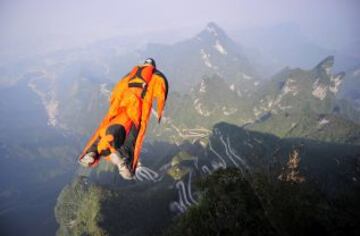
(37, 26)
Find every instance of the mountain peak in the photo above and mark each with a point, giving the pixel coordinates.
(326, 64)
(212, 30)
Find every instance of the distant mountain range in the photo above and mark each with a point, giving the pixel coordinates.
(294, 103)
(73, 85)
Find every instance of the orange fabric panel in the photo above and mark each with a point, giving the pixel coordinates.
(159, 93)
(145, 114)
(147, 73)
(104, 143)
(131, 104)
(121, 86)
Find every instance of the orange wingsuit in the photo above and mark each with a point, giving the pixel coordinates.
(130, 105)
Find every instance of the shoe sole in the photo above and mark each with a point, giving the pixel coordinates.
(87, 161)
(124, 172)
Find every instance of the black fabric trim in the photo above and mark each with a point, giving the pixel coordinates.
(143, 93)
(105, 153)
(138, 74)
(119, 134)
(127, 150)
(136, 85)
(165, 80)
(134, 133)
(139, 71)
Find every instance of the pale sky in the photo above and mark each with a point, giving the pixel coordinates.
(333, 23)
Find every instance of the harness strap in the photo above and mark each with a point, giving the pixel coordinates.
(139, 75)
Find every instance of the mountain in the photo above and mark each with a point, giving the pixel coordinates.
(74, 85)
(305, 104)
(36, 161)
(191, 116)
(71, 96)
(293, 103)
(166, 187)
(232, 205)
(209, 52)
(316, 88)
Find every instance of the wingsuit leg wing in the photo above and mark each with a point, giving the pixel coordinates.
(157, 89)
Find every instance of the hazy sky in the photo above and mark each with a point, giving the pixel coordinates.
(72, 22)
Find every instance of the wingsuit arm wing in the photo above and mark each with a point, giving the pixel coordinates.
(114, 100)
(116, 96)
(157, 89)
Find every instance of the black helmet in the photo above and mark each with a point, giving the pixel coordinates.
(150, 61)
